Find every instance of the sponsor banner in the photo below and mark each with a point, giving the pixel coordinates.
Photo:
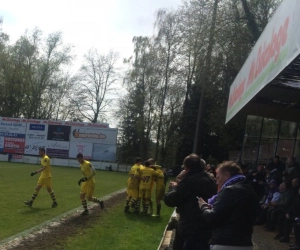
(36, 131)
(17, 158)
(52, 152)
(58, 145)
(81, 147)
(32, 146)
(14, 145)
(5, 134)
(58, 133)
(92, 134)
(276, 48)
(104, 152)
(12, 127)
(1, 143)
(68, 123)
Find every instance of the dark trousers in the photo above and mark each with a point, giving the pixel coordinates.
(285, 226)
(196, 244)
(199, 242)
(272, 217)
(297, 234)
(262, 216)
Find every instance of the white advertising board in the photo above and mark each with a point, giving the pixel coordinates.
(32, 146)
(57, 149)
(81, 147)
(12, 129)
(104, 152)
(95, 135)
(277, 47)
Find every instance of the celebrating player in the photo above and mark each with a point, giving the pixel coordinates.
(87, 184)
(45, 179)
(160, 188)
(146, 175)
(133, 183)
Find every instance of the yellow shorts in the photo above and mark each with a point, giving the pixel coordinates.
(133, 193)
(145, 193)
(45, 182)
(87, 188)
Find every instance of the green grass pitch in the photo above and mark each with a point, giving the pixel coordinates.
(115, 231)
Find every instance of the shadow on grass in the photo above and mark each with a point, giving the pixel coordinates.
(143, 218)
(32, 210)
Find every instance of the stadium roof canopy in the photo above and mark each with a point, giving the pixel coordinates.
(268, 84)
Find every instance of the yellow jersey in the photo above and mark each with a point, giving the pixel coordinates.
(160, 179)
(133, 181)
(146, 175)
(87, 169)
(45, 162)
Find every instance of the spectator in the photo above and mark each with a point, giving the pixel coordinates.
(287, 221)
(292, 171)
(273, 195)
(281, 206)
(279, 166)
(295, 185)
(233, 213)
(9, 157)
(259, 181)
(195, 181)
(212, 170)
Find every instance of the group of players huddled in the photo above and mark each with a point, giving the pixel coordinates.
(140, 185)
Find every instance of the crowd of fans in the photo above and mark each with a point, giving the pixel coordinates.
(278, 189)
(231, 199)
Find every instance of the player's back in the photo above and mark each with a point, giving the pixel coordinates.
(160, 178)
(146, 176)
(87, 169)
(133, 182)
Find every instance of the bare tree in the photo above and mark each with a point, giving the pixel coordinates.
(94, 84)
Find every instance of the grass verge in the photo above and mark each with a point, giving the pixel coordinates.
(116, 230)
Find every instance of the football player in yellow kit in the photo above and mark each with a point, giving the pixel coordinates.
(45, 179)
(160, 188)
(87, 184)
(133, 183)
(146, 175)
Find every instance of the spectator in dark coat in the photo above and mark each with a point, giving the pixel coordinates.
(281, 206)
(258, 180)
(292, 171)
(287, 221)
(279, 166)
(194, 231)
(272, 196)
(234, 210)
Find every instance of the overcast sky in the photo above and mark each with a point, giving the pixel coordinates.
(101, 24)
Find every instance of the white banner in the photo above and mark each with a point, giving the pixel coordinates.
(32, 146)
(96, 135)
(12, 129)
(81, 147)
(64, 145)
(36, 131)
(36, 135)
(57, 149)
(277, 47)
(104, 152)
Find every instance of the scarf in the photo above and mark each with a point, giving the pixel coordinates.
(232, 180)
